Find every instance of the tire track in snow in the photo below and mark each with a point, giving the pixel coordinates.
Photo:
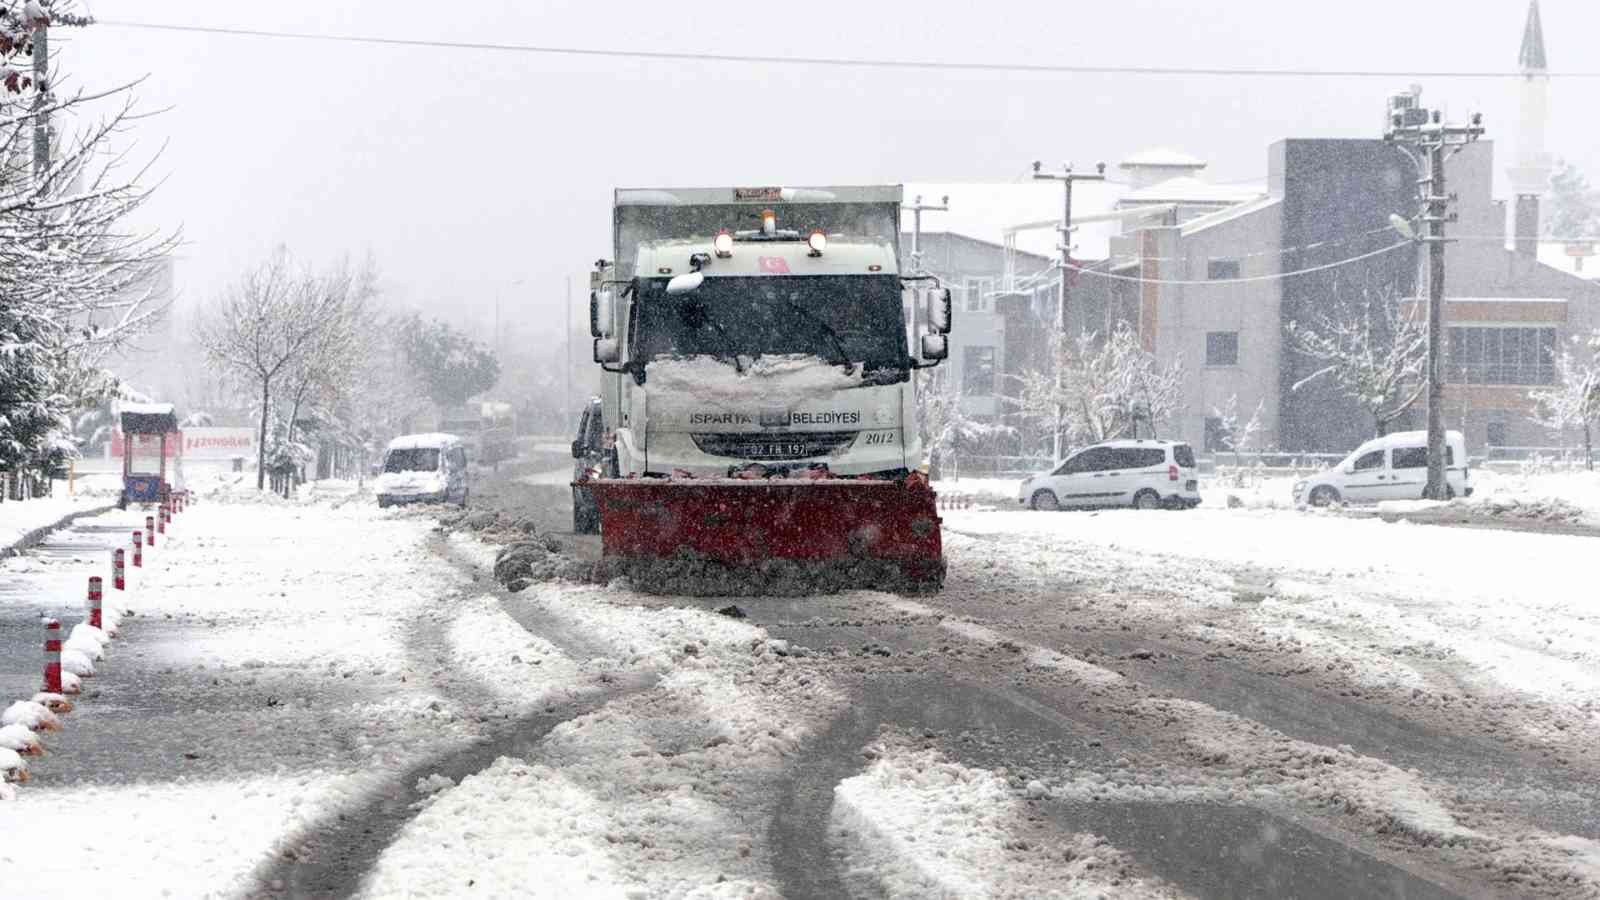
(332, 856)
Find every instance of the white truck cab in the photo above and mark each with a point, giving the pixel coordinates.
(1392, 467)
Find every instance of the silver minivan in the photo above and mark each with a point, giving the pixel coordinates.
(1144, 474)
(423, 468)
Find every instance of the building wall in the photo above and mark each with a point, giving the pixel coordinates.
(1251, 310)
(1337, 197)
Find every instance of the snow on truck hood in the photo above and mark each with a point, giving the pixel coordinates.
(797, 391)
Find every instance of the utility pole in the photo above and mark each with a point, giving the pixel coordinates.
(1067, 177)
(1425, 138)
(917, 208)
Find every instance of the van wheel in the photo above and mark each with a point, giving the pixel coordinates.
(383, 503)
(1449, 492)
(1045, 500)
(1147, 499)
(1324, 496)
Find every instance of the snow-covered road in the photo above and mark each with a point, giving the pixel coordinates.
(319, 698)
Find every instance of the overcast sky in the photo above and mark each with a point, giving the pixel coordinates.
(466, 172)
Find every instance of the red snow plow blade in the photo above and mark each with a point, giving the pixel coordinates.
(769, 536)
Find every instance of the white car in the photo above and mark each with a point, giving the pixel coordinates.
(1393, 467)
(423, 468)
(1145, 474)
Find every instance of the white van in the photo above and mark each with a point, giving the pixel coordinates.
(1144, 474)
(1393, 467)
(423, 468)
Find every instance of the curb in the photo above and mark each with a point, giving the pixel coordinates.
(39, 534)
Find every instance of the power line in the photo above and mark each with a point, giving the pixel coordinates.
(1220, 281)
(835, 61)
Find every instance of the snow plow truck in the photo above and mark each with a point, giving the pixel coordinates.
(759, 347)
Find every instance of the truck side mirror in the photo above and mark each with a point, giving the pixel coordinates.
(607, 350)
(938, 309)
(577, 449)
(935, 347)
(602, 309)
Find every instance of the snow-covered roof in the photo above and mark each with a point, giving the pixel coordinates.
(1556, 255)
(1162, 157)
(432, 440)
(984, 210)
(145, 409)
(1188, 189)
(1228, 214)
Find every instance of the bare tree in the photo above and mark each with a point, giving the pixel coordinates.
(1374, 350)
(75, 280)
(1107, 389)
(1236, 437)
(263, 327)
(1575, 400)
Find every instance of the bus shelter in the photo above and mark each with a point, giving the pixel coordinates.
(146, 430)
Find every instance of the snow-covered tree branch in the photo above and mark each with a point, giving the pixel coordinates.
(1575, 400)
(1375, 350)
(75, 279)
(1108, 389)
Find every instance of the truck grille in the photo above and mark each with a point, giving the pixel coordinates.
(793, 445)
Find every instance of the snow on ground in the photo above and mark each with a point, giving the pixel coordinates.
(19, 517)
(559, 477)
(915, 824)
(268, 678)
(1527, 626)
(664, 791)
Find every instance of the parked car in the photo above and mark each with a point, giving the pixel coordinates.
(589, 459)
(1145, 474)
(1393, 467)
(423, 468)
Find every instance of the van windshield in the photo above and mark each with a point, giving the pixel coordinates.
(414, 459)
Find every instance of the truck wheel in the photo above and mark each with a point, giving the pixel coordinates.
(1045, 500)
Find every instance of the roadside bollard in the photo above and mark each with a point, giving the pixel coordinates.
(52, 656)
(161, 520)
(150, 531)
(138, 549)
(119, 578)
(95, 617)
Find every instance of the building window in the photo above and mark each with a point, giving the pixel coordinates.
(1217, 269)
(1216, 436)
(977, 371)
(980, 294)
(1500, 354)
(1495, 434)
(1222, 348)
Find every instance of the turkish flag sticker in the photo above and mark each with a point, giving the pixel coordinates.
(774, 265)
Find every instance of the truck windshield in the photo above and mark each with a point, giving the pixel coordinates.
(840, 318)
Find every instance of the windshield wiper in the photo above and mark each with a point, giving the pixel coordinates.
(842, 356)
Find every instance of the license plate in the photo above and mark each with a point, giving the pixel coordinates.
(1191, 485)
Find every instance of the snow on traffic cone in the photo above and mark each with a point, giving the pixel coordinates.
(21, 739)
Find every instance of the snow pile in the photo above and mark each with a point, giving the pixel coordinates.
(777, 381)
(916, 825)
(518, 670)
(19, 518)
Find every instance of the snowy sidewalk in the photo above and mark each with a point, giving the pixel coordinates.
(272, 672)
(20, 518)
